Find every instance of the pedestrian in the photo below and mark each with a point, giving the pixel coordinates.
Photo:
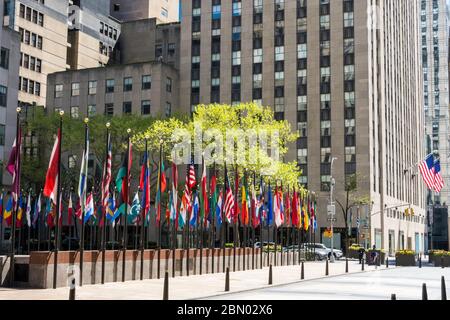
(361, 254)
(374, 254)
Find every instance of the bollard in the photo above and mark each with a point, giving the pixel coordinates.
(424, 292)
(302, 276)
(443, 289)
(270, 275)
(393, 296)
(362, 265)
(420, 262)
(72, 290)
(166, 286)
(346, 265)
(227, 280)
(326, 268)
(387, 262)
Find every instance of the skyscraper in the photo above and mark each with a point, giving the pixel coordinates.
(347, 75)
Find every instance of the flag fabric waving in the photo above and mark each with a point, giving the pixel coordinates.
(438, 180)
(28, 212)
(13, 166)
(144, 185)
(7, 215)
(426, 168)
(269, 208)
(51, 179)
(89, 208)
(106, 180)
(82, 182)
(229, 202)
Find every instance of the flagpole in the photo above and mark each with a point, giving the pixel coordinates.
(2, 218)
(235, 218)
(127, 196)
(261, 224)
(143, 210)
(213, 218)
(83, 203)
(58, 204)
(29, 221)
(39, 226)
(224, 218)
(253, 215)
(159, 209)
(108, 125)
(268, 229)
(17, 187)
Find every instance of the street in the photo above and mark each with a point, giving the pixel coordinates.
(405, 282)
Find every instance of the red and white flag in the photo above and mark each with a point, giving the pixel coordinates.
(51, 179)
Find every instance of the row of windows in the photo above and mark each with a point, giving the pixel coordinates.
(30, 62)
(127, 108)
(31, 15)
(29, 86)
(30, 38)
(146, 84)
(108, 31)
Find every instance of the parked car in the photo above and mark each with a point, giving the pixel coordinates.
(321, 251)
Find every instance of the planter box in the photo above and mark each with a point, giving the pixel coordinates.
(405, 260)
(438, 261)
(352, 254)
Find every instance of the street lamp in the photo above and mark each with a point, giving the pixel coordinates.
(333, 211)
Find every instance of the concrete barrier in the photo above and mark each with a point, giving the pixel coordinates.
(41, 265)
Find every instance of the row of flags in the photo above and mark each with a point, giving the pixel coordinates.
(430, 169)
(202, 204)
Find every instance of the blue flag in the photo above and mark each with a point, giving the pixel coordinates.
(270, 208)
(195, 208)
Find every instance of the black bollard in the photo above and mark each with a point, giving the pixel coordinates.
(72, 290)
(393, 296)
(302, 276)
(420, 262)
(362, 265)
(227, 280)
(270, 275)
(326, 268)
(166, 286)
(346, 265)
(387, 262)
(443, 289)
(424, 292)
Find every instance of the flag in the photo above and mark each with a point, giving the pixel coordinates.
(229, 202)
(287, 208)
(174, 197)
(269, 208)
(244, 204)
(1, 209)
(124, 175)
(236, 188)
(214, 195)
(144, 185)
(106, 179)
(28, 212)
(161, 189)
(427, 170)
(219, 209)
(184, 208)
(133, 216)
(13, 166)
(438, 180)
(7, 215)
(305, 213)
(277, 208)
(204, 199)
(111, 211)
(19, 216)
(70, 210)
(254, 208)
(51, 179)
(195, 209)
(192, 181)
(260, 211)
(89, 208)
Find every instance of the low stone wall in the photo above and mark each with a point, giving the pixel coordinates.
(41, 264)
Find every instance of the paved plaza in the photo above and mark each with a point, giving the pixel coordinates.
(192, 287)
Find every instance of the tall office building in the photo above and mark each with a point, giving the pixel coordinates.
(435, 35)
(164, 11)
(9, 77)
(347, 75)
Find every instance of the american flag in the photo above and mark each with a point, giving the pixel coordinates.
(192, 181)
(427, 170)
(438, 180)
(229, 202)
(107, 175)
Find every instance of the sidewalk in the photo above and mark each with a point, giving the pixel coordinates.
(193, 287)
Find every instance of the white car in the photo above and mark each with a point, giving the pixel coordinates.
(321, 251)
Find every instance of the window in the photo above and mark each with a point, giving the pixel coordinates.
(59, 91)
(74, 112)
(145, 107)
(92, 87)
(4, 58)
(168, 109)
(26, 61)
(39, 42)
(146, 82)
(38, 65)
(32, 63)
(37, 90)
(3, 96)
(75, 89)
(109, 109)
(110, 85)
(128, 84)
(2, 135)
(92, 110)
(127, 108)
(169, 85)
(41, 19)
